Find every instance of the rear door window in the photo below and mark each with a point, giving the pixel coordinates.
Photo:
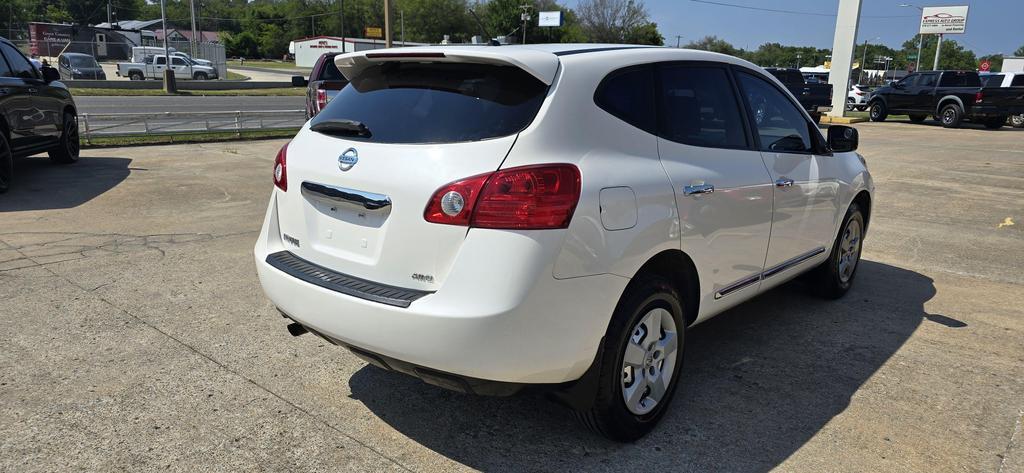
(410, 102)
(959, 79)
(992, 80)
(1018, 81)
(926, 80)
(699, 107)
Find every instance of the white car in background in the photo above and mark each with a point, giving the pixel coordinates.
(1005, 79)
(557, 216)
(857, 98)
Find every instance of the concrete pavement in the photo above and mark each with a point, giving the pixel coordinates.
(136, 338)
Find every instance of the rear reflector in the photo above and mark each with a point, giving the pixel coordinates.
(523, 198)
(281, 168)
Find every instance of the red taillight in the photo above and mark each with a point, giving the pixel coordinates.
(321, 99)
(281, 168)
(522, 198)
(859, 92)
(978, 97)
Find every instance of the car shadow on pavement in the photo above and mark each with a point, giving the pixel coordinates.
(759, 381)
(39, 184)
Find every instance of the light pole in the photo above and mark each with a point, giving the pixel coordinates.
(920, 39)
(678, 38)
(798, 56)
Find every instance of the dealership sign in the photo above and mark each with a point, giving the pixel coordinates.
(549, 18)
(944, 20)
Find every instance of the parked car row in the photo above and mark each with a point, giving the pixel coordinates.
(949, 96)
(153, 67)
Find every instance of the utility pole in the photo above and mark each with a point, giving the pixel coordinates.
(170, 86)
(341, 11)
(110, 18)
(679, 37)
(192, 10)
(525, 16)
(863, 57)
(401, 14)
(387, 23)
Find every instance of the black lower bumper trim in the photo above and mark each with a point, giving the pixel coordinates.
(343, 283)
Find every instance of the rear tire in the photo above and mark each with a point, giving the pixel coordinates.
(835, 276)
(638, 353)
(877, 111)
(995, 123)
(67, 150)
(6, 164)
(1016, 121)
(136, 75)
(951, 116)
(917, 118)
(851, 103)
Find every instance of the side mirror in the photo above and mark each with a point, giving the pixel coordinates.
(842, 138)
(50, 74)
(299, 81)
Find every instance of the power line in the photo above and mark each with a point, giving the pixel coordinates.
(792, 12)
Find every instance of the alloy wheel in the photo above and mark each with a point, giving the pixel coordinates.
(849, 250)
(649, 361)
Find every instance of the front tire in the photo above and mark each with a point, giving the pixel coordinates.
(200, 76)
(951, 116)
(877, 111)
(68, 148)
(641, 362)
(835, 276)
(6, 164)
(851, 103)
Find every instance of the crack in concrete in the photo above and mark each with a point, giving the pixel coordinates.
(80, 245)
(210, 358)
(1012, 447)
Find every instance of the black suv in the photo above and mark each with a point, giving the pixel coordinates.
(37, 113)
(325, 81)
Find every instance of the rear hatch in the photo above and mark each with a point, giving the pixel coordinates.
(389, 139)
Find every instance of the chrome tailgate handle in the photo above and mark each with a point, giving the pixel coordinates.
(365, 200)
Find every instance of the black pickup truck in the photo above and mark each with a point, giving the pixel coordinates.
(949, 96)
(816, 98)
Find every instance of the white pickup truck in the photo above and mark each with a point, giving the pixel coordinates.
(153, 68)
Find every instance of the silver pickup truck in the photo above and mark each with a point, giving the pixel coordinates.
(153, 68)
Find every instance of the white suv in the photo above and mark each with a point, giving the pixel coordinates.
(490, 218)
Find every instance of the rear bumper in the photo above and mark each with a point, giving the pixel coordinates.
(500, 315)
(992, 111)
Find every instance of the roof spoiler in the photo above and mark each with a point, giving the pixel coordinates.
(539, 64)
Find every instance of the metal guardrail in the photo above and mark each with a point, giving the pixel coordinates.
(92, 125)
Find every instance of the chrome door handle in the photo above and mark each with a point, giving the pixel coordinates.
(698, 189)
(32, 90)
(783, 182)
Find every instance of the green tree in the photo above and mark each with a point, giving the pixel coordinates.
(617, 21)
(713, 44)
(952, 56)
(1019, 51)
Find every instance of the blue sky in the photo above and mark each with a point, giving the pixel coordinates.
(993, 26)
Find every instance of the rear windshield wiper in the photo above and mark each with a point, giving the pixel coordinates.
(341, 127)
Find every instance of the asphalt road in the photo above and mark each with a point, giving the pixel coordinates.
(145, 104)
(136, 337)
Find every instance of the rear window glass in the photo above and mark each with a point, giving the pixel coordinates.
(629, 95)
(992, 80)
(787, 76)
(1018, 81)
(330, 71)
(407, 102)
(959, 79)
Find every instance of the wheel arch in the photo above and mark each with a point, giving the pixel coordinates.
(863, 200)
(946, 101)
(679, 269)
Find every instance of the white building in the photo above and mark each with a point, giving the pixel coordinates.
(1013, 64)
(308, 50)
